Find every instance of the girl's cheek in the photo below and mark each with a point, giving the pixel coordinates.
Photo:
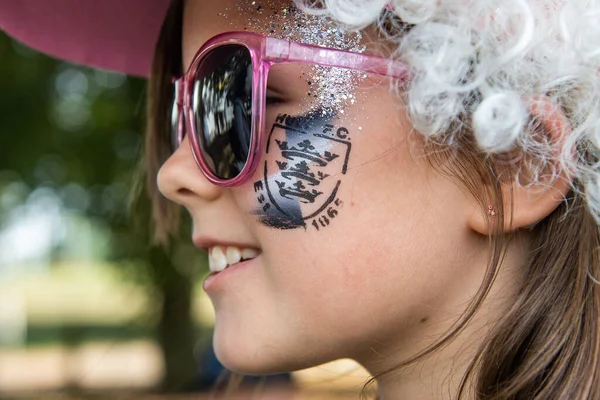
(298, 181)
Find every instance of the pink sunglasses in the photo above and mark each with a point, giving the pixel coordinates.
(221, 99)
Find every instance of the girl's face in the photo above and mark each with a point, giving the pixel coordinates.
(364, 250)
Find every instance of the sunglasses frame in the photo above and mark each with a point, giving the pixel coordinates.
(264, 52)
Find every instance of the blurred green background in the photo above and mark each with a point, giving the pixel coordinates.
(86, 304)
(75, 268)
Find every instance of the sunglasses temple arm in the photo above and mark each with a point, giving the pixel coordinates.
(280, 50)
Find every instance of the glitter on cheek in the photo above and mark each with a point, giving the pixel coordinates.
(333, 88)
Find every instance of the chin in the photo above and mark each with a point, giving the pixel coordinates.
(241, 354)
(246, 363)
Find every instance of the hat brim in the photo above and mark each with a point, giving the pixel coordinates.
(117, 35)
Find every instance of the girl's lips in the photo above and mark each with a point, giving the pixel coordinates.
(205, 243)
(217, 279)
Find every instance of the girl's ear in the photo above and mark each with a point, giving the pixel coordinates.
(532, 201)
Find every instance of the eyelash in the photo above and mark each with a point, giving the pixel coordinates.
(272, 98)
(273, 101)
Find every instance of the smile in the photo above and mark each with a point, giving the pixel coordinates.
(222, 257)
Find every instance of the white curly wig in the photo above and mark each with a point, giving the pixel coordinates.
(484, 63)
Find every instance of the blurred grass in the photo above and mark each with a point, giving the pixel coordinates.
(75, 292)
(74, 301)
(71, 303)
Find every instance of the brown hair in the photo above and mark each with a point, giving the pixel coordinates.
(547, 345)
(166, 65)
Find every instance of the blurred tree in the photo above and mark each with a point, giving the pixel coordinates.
(78, 132)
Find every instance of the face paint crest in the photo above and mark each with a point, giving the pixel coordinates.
(307, 156)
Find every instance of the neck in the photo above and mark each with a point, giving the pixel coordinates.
(434, 377)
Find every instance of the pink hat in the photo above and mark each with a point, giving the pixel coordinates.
(118, 35)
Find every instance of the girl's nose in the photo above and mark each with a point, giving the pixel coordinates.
(181, 180)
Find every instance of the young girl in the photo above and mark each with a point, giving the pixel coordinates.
(410, 184)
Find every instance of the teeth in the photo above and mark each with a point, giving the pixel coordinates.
(220, 258)
(233, 255)
(248, 254)
(217, 261)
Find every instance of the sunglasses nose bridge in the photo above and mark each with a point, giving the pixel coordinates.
(178, 117)
(178, 96)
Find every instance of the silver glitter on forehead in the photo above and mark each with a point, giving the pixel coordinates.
(328, 88)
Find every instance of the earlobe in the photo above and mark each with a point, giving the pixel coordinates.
(528, 201)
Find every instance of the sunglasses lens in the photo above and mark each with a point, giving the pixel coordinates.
(222, 104)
